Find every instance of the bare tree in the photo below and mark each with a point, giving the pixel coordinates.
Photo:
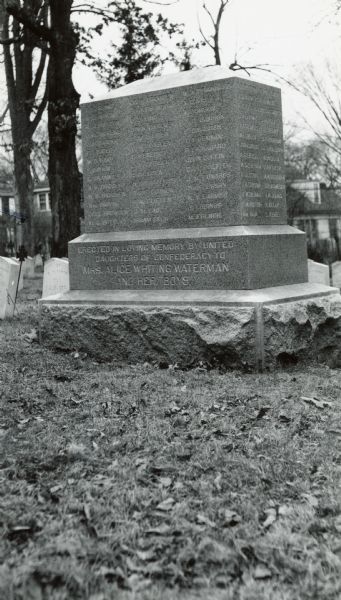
(324, 91)
(59, 39)
(25, 108)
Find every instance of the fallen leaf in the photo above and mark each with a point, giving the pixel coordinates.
(284, 418)
(61, 377)
(145, 555)
(161, 530)
(141, 462)
(87, 512)
(217, 481)
(271, 517)
(184, 454)
(262, 412)
(105, 571)
(231, 518)
(159, 469)
(202, 520)
(316, 402)
(32, 336)
(166, 504)
(165, 481)
(222, 582)
(312, 500)
(262, 572)
(284, 510)
(133, 567)
(173, 409)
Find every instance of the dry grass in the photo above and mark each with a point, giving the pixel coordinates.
(139, 483)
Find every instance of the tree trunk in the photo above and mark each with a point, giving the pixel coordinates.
(24, 190)
(63, 101)
(21, 138)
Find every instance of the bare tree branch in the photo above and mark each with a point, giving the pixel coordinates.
(161, 3)
(22, 16)
(205, 38)
(35, 122)
(213, 40)
(3, 115)
(210, 15)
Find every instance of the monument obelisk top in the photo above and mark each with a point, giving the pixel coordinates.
(170, 81)
(198, 150)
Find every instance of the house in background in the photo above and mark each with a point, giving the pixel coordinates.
(317, 211)
(42, 217)
(9, 217)
(42, 196)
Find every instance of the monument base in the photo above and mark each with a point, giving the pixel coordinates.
(252, 329)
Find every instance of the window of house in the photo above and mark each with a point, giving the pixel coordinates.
(42, 202)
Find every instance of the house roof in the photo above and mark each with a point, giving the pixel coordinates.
(6, 190)
(330, 204)
(41, 185)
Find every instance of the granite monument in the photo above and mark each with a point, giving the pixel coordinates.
(186, 255)
(184, 189)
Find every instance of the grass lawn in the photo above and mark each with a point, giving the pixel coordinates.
(131, 482)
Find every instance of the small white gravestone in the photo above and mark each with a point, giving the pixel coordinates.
(56, 277)
(29, 267)
(38, 261)
(9, 273)
(336, 274)
(318, 273)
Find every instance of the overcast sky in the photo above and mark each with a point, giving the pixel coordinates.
(285, 34)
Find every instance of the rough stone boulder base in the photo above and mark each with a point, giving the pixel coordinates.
(259, 335)
(303, 330)
(183, 336)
